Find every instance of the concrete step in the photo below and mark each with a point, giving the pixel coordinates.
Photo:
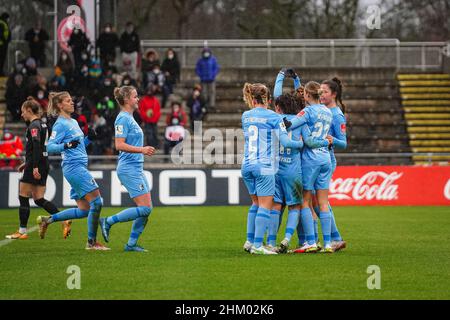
(425, 96)
(437, 76)
(416, 116)
(425, 90)
(428, 136)
(424, 83)
(426, 109)
(429, 143)
(429, 129)
(431, 149)
(420, 122)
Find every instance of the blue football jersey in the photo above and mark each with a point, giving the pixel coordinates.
(126, 127)
(318, 118)
(262, 128)
(290, 158)
(66, 130)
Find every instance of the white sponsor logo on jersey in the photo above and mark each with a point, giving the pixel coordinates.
(376, 185)
(119, 129)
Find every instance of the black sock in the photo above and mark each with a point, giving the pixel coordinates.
(24, 211)
(47, 205)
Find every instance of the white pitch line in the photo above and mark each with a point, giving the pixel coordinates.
(8, 241)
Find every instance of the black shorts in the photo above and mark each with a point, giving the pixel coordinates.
(28, 174)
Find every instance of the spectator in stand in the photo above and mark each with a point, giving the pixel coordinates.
(149, 60)
(40, 92)
(127, 80)
(79, 43)
(5, 39)
(150, 111)
(37, 38)
(80, 118)
(16, 94)
(58, 82)
(95, 69)
(31, 66)
(130, 48)
(107, 43)
(102, 145)
(207, 69)
(176, 121)
(65, 63)
(157, 79)
(171, 69)
(82, 80)
(85, 105)
(10, 147)
(197, 105)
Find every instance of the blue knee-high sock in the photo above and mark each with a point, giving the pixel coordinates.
(281, 218)
(273, 227)
(335, 235)
(316, 229)
(292, 223)
(261, 221)
(307, 223)
(123, 216)
(136, 230)
(69, 214)
(251, 223)
(94, 215)
(325, 223)
(301, 234)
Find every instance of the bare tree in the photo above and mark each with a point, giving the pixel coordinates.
(185, 9)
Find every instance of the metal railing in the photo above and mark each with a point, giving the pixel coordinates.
(341, 53)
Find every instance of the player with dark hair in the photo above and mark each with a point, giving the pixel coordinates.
(331, 97)
(288, 180)
(35, 170)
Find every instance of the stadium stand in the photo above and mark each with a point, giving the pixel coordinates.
(426, 103)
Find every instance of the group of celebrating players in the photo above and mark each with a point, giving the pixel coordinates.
(289, 160)
(68, 139)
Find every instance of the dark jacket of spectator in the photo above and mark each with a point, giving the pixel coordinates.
(37, 37)
(5, 38)
(107, 43)
(129, 42)
(171, 67)
(207, 67)
(16, 94)
(150, 59)
(65, 63)
(197, 106)
(79, 44)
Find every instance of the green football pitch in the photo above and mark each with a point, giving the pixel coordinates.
(196, 253)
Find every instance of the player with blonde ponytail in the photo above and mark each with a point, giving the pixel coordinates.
(68, 140)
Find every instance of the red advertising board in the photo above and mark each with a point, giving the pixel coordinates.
(390, 185)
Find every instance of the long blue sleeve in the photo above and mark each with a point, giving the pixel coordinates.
(53, 147)
(288, 143)
(278, 89)
(339, 133)
(312, 142)
(297, 122)
(297, 83)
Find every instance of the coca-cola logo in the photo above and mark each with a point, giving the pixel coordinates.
(374, 185)
(447, 190)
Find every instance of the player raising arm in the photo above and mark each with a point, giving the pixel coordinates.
(130, 143)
